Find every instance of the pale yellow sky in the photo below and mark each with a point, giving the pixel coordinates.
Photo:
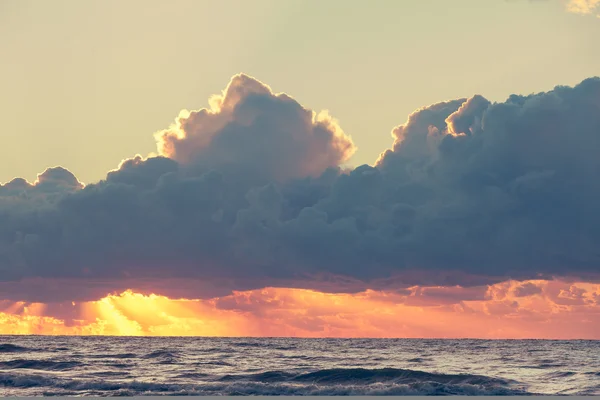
(84, 84)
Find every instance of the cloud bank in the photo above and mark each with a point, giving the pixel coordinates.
(250, 193)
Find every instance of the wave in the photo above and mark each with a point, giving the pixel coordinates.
(108, 374)
(133, 388)
(270, 346)
(119, 365)
(545, 365)
(213, 350)
(270, 376)
(13, 348)
(363, 376)
(44, 365)
(121, 355)
(378, 389)
(560, 374)
(191, 375)
(214, 362)
(161, 354)
(417, 360)
(29, 381)
(312, 358)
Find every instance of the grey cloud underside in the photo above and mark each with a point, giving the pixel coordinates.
(477, 189)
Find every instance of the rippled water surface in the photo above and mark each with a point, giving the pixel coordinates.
(107, 366)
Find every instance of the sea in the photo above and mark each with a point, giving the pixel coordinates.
(134, 366)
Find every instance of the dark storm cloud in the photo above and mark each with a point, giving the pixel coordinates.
(513, 186)
(471, 192)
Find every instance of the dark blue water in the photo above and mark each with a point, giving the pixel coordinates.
(108, 366)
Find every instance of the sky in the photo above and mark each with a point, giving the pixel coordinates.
(300, 168)
(87, 83)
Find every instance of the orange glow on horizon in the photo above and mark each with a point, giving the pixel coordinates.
(531, 309)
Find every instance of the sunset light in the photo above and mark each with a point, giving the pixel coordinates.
(530, 309)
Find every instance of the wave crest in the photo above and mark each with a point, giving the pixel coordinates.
(133, 388)
(363, 376)
(13, 348)
(44, 365)
(161, 354)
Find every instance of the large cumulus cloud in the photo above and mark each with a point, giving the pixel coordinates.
(250, 129)
(250, 193)
(508, 187)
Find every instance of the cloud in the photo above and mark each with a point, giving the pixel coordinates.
(583, 6)
(509, 186)
(250, 193)
(527, 289)
(250, 129)
(52, 180)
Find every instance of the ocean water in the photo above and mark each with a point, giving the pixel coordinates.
(110, 366)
